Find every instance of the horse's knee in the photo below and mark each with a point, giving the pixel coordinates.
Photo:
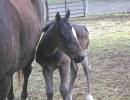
(64, 91)
(86, 65)
(89, 68)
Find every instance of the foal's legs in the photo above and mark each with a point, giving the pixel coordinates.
(48, 76)
(5, 85)
(74, 69)
(87, 69)
(11, 92)
(64, 73)
(27, 71)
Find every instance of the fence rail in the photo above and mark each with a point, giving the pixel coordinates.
(77, 8)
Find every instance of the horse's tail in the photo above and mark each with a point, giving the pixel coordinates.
(20, 77)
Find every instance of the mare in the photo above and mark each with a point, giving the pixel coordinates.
(20, 31)
(63, 46)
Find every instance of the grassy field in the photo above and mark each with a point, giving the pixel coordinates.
(109, 55)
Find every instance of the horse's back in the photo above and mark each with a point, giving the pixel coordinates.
(81, 29)
(83, 35)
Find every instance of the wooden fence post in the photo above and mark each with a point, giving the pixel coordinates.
(84, 5)
(47, 10)
(65, 6)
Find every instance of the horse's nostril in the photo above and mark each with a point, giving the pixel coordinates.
(79, 59)
(82, 57)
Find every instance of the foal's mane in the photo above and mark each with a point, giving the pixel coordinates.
(45, 28)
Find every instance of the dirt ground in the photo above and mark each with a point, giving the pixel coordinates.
(109, 56)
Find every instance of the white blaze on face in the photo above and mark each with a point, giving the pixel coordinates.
(74, 33)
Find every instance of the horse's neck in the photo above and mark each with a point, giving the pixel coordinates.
(48, 45)
(39, 6)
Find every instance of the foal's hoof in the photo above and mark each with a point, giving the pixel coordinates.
(89, 97)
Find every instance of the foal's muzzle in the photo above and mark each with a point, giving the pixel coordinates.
(79, 59)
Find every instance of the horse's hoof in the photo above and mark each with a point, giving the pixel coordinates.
(89, 97)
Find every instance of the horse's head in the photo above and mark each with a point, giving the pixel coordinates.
(67, 39)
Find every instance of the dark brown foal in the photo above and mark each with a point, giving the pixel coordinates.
(62, 46)
(56, 49)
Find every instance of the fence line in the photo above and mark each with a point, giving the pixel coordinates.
(77, 8)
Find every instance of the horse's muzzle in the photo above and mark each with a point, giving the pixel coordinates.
(79, 59)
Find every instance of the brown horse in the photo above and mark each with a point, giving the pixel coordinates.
(62, 46)
(20, 30)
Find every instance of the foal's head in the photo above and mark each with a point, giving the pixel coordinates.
(66, 39)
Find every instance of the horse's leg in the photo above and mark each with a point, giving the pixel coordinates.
(87, 70)
(48, 76)
(26, 71)
(73, 69)
(5, 85)
(11, 92)
(64, 70)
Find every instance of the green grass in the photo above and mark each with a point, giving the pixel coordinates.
(110, 56)
(109, 41)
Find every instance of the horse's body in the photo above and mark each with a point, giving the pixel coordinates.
(20, 30)
(53, 53)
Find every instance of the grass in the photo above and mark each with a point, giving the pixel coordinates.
(109, 55)
(110, 41)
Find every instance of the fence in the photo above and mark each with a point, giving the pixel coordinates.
(77, 8)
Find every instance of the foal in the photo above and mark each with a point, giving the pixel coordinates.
(61, 47)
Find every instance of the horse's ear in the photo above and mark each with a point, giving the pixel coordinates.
(67, 15)
(57, 17)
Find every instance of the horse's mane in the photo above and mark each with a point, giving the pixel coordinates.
(45, 28)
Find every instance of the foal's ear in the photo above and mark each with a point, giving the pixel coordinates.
(67, 15)
(57, 17)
